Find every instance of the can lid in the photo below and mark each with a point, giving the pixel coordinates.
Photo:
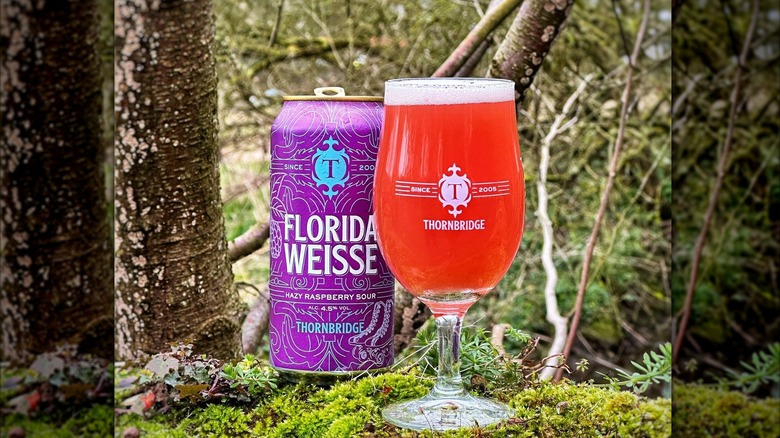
(334, 94)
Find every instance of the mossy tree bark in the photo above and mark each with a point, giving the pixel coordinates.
(54, 241)
(521, 53)
(173, 281)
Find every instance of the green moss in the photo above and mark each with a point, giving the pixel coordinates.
(699, 411)
(346, 409)
(354, 408)
(585, 410)
(156, 427)
(217, 421)
(95, 421)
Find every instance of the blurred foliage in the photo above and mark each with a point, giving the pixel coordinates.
(60, 394)
(96, 421)
(360, 44)
(737, 303)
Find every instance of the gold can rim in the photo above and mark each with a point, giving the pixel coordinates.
(336, 98)
(333, 94)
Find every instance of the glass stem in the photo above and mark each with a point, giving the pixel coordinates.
(449, 383)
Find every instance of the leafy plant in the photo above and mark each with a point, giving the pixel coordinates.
(764, 367)
(480, 360)
(655, 368)
(250, 374)
(179, 376)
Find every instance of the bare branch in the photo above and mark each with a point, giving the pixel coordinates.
(471, 63)
(248, 242)
(255, 324)
(521, 53)
(724, 156)
(478, 35)
(626, 100)
(292, 49)
(497, 337)
(553, 314)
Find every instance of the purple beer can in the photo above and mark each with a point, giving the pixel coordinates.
(331, 290)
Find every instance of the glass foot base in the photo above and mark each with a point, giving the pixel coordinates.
(429, 413)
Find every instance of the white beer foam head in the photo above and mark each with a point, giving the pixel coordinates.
(447, 91)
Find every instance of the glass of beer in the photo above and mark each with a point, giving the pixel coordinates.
(449, 201)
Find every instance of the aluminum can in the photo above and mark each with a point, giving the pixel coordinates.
(331, 291)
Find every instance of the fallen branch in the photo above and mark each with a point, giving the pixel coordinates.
(255, 324)
(231, 192)
(480, 33)
(553, 314)
(248, 242)
(724, 156)
(626, 100)
(293, 49)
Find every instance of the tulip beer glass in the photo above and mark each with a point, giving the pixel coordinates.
(449, 201)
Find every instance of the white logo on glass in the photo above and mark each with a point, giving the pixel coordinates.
(454, 190)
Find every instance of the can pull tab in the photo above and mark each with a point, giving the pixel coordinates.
(329, 92)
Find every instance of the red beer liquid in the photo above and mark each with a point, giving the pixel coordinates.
(449, 269)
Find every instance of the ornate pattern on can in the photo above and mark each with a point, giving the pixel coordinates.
(331, 291)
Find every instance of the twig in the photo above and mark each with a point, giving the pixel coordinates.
(248, 242)
(676, 4)
(275, 29)
(622, 32)
(631, 205)
(553, 314)
(480, 33)
(314, 16)
(601, 360)
(608, 188)
(684, 95)
(724, 156)
(638, 336)
(750, 341)
(732, 34)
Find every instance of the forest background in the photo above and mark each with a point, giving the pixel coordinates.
(680, 123)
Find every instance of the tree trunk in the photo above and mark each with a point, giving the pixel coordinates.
(173, 281)
(54, 243)
(521, 53)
